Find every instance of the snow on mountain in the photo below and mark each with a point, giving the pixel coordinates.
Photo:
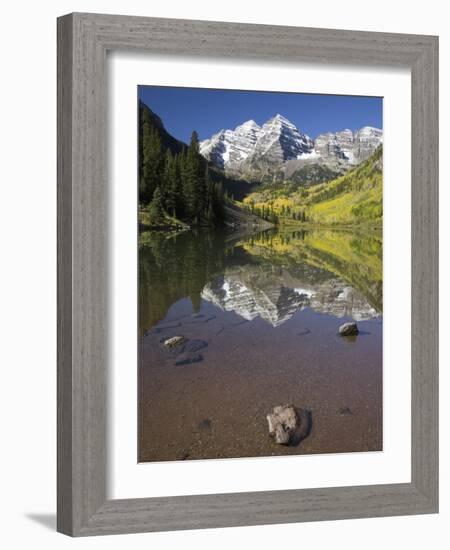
(230, 147)
(278, 140)
(335, 145)
(367, 140)
(353, 147)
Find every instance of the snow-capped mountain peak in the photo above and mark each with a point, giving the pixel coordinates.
(280, 120)
(369, 131)
(230, 147)
(276, 140)
(279, 140)
(247, 126)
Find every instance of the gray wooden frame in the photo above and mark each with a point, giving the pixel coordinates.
(83, 41)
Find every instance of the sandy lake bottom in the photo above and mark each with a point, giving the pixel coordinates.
(260, 327)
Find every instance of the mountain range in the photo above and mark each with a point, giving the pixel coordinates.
(251, 151)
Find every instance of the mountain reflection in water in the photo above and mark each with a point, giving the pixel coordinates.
(271, 274)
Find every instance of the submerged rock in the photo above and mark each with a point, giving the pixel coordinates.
(174, 341)
(167, 325)
(289, 425)
(349, 329)
(205, 424)
(188, 359)
(195, 345)
(199, 318)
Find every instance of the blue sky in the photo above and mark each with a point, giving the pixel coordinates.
(208, 111)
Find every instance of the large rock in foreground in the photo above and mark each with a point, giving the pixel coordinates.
(289, 425)
(348, 329)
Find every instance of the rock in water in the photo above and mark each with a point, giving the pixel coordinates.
(289, 425)
(283, 422)
(195, 345)
(348, 329)
(174, 341)
(188, 359)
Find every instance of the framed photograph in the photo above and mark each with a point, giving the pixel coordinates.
(247, 274)
(260, 274)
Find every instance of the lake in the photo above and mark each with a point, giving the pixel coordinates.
(259, 314)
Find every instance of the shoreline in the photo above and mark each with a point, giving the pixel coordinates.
(260, 228)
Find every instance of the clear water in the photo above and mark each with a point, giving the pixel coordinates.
(260, 314)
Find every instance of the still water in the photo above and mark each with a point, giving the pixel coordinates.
(260, 314)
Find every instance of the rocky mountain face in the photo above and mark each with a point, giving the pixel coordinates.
(231, 147)
(348, 146)
(253, 150)
(367, 140)
(279, 140)
(275, 141)
(338, 145)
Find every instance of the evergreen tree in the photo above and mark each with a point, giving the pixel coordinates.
(156, 210)
(141, 190)
(178, 188)
(209, 199)
(170, 183)
(218, 202)
(152, 159)
(194, 183)
(180, 185)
